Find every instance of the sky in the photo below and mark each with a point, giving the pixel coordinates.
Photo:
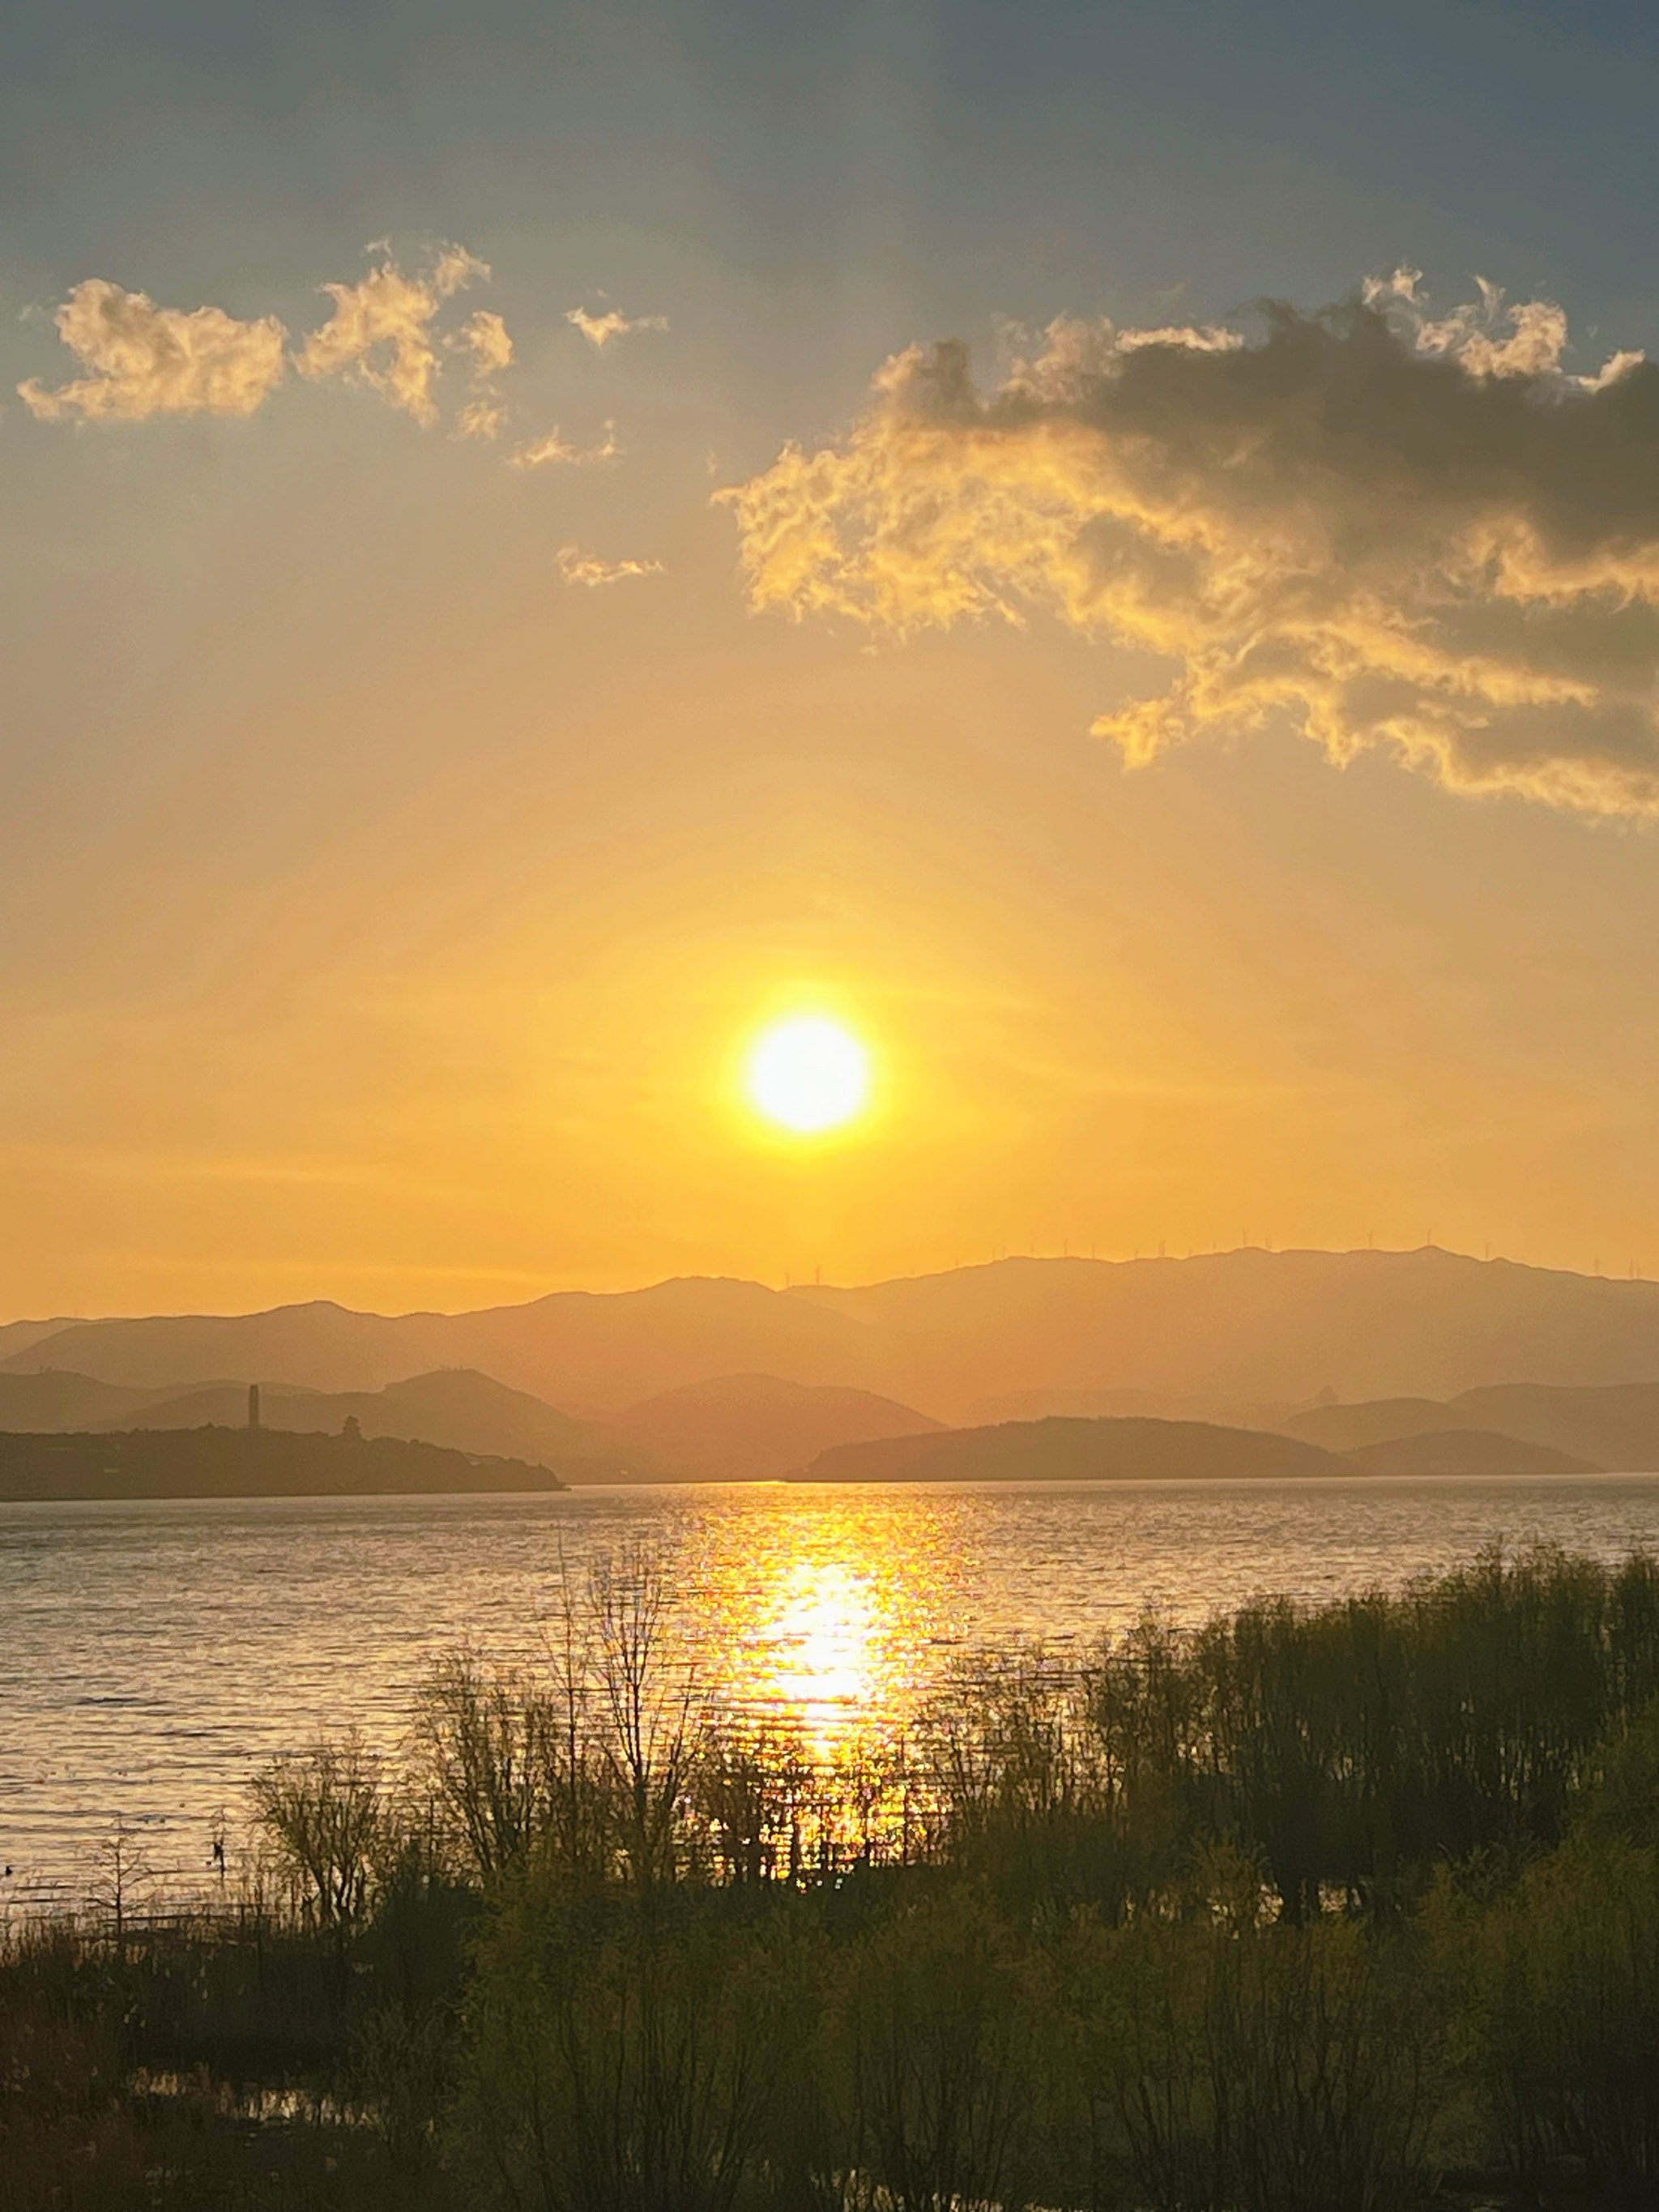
(535, 541)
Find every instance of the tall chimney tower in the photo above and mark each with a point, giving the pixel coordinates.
(253, 1404)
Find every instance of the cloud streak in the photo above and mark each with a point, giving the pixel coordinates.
(600, 330)
(142, 360)
(579, 567)
(553, 449)
(1391, 529)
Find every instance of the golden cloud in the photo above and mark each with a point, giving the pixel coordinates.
(1392, 530)
(142, 359)
(380, 330)
(485, 336)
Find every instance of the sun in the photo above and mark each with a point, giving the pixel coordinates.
(808, 1074)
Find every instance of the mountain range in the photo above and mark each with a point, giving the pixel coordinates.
(1244, 1327)
(1615, 1426)
(1062, 1449)
(713, 1375)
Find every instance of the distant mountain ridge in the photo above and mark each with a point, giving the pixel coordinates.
(588, 1352)
(1465, 1452)
(1235, 1329)
(1613, 1426)
(17, 1336)
(1062, 1449)
(52, 1399)
(747, 1426)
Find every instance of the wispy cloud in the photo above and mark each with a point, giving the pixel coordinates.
(381, 333)
(1425, 533)
(142, 360)
(579, 567)
(600, 330)
(552, 449)
(485, 338)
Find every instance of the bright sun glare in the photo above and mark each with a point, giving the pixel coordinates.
(808, 1074)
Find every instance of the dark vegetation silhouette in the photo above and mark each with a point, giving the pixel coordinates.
(1329, 1909)
(248, 1462)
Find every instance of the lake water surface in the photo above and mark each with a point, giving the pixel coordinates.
(154, 1654)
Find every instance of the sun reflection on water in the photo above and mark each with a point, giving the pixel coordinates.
(824, 1631)
(828, 1612)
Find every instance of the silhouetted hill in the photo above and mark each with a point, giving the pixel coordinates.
(1373, 1421)
(51, 1399)
(455, 1406)
(1614, 1426)
(1237, 1329)
(1465, 1452)
(246, 1463)
(1134, 1405)
(460, 1407)
(1057, 1449)
(747, 1425)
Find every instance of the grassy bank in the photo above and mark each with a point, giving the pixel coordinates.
(1308, 1910)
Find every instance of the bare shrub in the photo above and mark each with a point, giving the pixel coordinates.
(123, 1879)
(321, 1813)
(485, 1740)
(647, 1719)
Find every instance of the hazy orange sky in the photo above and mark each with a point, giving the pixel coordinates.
(406, 814)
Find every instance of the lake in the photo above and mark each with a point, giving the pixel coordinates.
(155, 1653)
